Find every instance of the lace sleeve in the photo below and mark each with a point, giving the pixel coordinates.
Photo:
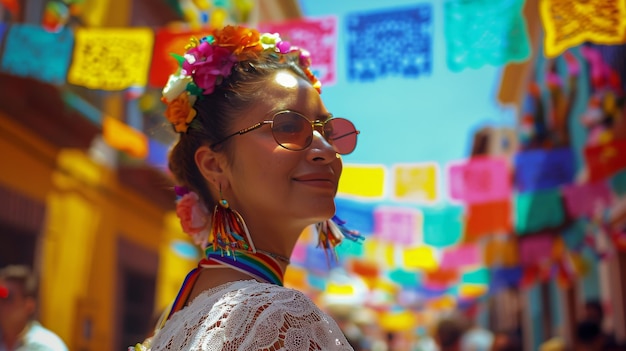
(255, 317)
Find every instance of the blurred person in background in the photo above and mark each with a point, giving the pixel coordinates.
(449, 332)
(19, 330)
(506, 341)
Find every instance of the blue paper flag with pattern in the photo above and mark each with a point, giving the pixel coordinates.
(31, 51)
(479, 32)
(544, 169)
(394, 42)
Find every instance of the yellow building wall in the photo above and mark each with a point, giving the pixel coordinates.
(87, 211)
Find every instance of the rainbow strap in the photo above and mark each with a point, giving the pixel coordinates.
(258, 265)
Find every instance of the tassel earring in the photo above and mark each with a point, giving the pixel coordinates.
(331, 233)
(228, 230)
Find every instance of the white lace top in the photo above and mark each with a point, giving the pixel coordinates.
(248, 315)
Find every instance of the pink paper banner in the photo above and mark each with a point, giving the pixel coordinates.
(460, 256)
(398, 225)
(480, 180)
(316, 35)
(535, 249)
(585, 200)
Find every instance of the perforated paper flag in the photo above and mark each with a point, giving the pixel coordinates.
(604, 161)
(460, 256)
(488, 219)
(416, 182)
(568, 23)
(166, 42)
(420, 258)
(536, 211)
(375, 40)
(479, 180)
(587, 199)
(482, 32)
(443, 226)
(535, 249)
(618, 183)
(111, 59)
(544, 169)
(3, 29)
(358, 215)
(316, 35)
(366, 181)
(398, 225)
(501, 253)
(31, 51)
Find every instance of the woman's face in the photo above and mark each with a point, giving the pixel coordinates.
(270, 183)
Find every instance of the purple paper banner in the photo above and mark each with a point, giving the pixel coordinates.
(31, 51)
(376, 39)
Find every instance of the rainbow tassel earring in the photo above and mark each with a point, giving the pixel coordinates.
(229, 231)
(331, 233)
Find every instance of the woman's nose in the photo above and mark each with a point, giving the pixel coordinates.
(322, 148)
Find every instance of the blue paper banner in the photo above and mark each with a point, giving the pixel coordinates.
(318, 261)
(505, 277)
(429, 292)
(357, 215)
(31, 51)
(376, 39)
(3, 29)
(157, 154)
(544, 169)
(482, 32)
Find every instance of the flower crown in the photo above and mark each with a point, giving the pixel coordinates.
(208, 61)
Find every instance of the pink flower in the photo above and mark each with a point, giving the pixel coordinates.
(193, 215)
(205, 63)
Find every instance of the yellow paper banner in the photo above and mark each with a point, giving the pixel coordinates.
(422, 257)
(398, 321)
(416, 182)
(568, 23)
(472, 290)
(380, 252)
(362, 180)
(111, 59)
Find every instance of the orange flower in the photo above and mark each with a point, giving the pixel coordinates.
(180, 113)
(242, 42)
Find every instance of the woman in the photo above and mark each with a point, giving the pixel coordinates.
(259, 148)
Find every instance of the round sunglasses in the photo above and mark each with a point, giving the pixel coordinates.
(293, 131)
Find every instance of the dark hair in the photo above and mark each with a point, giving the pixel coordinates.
(23, 276)
(596, 307)
(216, 111)
(587, 332)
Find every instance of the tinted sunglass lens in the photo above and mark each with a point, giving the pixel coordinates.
(342, 134)
(292, 131)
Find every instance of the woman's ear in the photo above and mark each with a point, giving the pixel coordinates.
(210, 163)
